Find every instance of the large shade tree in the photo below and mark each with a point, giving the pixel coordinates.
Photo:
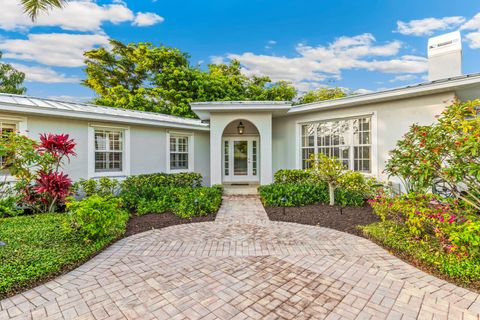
(322, 94)
(33, 7)
(11, 80)
(142, 76)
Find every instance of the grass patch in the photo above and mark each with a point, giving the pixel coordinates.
(38, 248)
(426, 255)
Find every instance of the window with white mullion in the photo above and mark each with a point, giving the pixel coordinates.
(309, 141)
(108, 150)
(179, 152)
(348, 140)
(6, 128)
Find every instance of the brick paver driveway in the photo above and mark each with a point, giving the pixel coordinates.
(244, 266)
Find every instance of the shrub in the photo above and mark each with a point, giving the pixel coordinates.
(197, 202)
(428, 216)
(135, 189)
(356, 182)
(104, 187)
(97, 217)
(292, 176)
(8, 207)
(447, 150)
(300, 194)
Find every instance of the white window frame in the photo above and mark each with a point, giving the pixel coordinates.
(191, 151)
(373, 132)
(125, 153)
(22, 128)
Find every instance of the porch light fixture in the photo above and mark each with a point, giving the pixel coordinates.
(240, 128)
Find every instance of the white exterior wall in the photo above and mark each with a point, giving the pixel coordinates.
(263, 123)
(146, 146)
(390, 121)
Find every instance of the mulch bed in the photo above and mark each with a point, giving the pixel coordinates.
(150, 221)
(335, 217)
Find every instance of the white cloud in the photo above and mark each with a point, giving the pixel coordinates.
(428, 26)
(473, 39)
(403, 77)
(145, 19)
(43, 74)
(79, 15)
(472, 24)
(54, 49)
(314, 64)
(270, 44)
(362, 91)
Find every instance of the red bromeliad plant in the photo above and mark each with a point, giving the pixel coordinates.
(37, 168)
(53, 188)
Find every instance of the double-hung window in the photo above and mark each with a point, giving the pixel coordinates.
(179, 152)
(6, 128)
(348, 140)
(109, 150)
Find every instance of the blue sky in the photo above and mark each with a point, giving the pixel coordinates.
(360, 45)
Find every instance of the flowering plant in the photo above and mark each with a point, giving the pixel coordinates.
(36, 166)
(447, 151)
(454, 225)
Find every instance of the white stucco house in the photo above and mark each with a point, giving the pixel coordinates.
(246, 142)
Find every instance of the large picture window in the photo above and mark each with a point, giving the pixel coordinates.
(179, 152)
(348, 140)
(109, 147)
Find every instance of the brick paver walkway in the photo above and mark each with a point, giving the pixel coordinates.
(243, 266)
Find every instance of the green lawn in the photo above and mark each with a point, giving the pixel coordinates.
(38, 247)
(427, 255)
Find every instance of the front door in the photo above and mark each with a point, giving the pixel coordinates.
(240, 159)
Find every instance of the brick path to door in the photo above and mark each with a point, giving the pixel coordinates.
(243, 266)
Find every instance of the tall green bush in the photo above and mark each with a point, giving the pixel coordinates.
(97, 217)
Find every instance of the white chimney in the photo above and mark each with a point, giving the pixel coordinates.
(445, 56)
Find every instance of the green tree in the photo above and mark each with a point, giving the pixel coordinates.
(11, 80)
(33, 7)
(145, 77)
(322, 94)
(329, 170)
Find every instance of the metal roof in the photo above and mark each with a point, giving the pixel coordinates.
(391, 94)
(33, 105)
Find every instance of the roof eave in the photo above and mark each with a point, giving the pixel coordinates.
(401, 93)
(98, 117)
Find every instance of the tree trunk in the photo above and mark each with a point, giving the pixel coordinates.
(331, 191)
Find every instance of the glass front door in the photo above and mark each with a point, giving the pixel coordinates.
(240, 159)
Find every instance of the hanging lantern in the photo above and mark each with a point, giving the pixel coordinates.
(240, 128)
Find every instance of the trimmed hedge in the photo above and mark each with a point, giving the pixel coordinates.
(301, 194)
(292, 176)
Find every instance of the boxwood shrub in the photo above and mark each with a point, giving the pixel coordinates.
(301, 194)
(292, 176)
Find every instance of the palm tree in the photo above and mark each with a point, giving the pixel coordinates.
(34, 7)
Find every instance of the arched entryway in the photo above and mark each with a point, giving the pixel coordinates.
(240, 153)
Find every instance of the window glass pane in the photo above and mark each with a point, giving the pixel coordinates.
(179, 153)
(348, 140)
(308, 135)
(6, 129)
(306, 153)
(109, 147)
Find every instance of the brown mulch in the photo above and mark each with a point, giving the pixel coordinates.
(334, 217)
(150, 221)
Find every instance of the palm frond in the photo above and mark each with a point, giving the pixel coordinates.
(33, 7)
